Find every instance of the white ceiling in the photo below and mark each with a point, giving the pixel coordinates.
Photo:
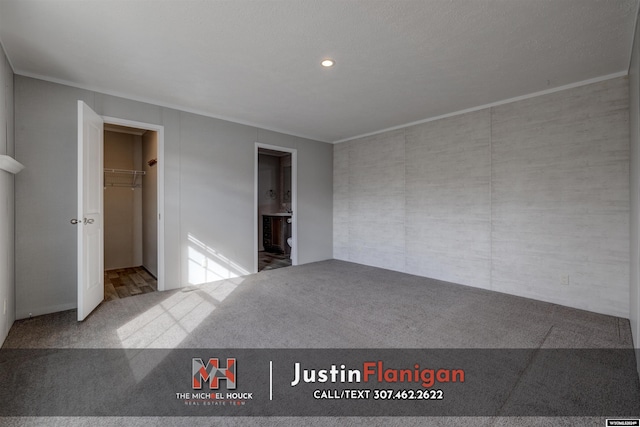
(258, 62)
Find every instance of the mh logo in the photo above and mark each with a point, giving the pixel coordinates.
(213, 373)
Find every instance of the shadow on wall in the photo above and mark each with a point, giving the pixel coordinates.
(208, 265)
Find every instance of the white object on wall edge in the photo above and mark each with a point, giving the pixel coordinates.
(9, 164)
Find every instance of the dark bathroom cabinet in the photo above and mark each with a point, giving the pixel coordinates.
(275, 231)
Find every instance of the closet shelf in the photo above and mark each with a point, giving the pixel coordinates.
(122, 178)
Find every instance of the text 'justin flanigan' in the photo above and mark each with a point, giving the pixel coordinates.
(375, 371)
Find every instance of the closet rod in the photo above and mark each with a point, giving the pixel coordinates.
(125, 171)
(116, 184)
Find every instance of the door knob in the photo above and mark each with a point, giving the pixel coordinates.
(86, 221)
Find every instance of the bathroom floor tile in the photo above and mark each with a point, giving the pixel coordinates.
(270, 261)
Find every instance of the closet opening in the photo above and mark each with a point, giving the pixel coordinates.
(130, 211)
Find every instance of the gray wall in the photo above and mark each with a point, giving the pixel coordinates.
(7, 226)
(510, 198)
(208, 195)
(634, 128)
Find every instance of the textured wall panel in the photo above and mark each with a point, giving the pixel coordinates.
(448, 173)
(561, 197)
(634, 139)
(376, 201)
(510, 198)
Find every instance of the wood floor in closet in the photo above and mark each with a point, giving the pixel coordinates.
(126, 282)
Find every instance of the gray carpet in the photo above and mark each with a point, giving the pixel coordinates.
(330, 304)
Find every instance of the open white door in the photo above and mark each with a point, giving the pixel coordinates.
(90, 211)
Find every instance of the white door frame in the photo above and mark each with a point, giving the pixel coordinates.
(160, 165)
(294, 201)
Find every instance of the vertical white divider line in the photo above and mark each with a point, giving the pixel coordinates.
(270, 379)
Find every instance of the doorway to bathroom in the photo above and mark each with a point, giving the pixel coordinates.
(275, 207)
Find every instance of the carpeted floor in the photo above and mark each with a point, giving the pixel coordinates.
(330, 304)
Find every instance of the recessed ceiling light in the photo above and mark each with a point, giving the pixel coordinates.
(328, 63)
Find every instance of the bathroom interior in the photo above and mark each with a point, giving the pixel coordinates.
(274, 209)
